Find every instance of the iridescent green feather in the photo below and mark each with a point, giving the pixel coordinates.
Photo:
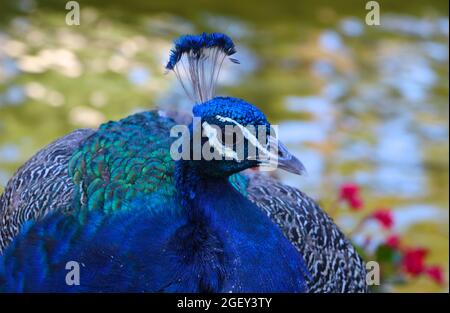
(123, 160)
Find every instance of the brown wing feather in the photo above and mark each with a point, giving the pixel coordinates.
(39, 186)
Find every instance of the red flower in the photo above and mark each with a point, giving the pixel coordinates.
(356, 203)
(413, 261)
(349, 193)
(436, 273)
(384, 216)
(393, 241)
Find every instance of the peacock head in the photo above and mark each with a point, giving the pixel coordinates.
(232, 134)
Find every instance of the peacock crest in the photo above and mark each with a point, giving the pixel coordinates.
(196, 61)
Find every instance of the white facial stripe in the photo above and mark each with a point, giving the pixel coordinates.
(211, 133)
(250, 137)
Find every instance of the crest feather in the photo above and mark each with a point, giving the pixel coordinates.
(196, 61)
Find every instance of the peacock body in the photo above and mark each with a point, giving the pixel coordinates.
(115, 201)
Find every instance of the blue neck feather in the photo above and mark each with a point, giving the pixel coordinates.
(255, 256)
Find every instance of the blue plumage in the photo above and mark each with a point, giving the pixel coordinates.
(207, 237)
(140, 221)
(233, 248)
(217, 241)
(234, 108)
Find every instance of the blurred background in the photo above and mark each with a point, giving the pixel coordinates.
(358, 104)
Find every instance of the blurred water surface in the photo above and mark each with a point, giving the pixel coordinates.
(367, 104)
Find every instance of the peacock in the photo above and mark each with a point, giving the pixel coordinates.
(142, 210)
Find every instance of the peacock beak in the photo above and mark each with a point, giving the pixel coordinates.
(278, 156)
(289, 162)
